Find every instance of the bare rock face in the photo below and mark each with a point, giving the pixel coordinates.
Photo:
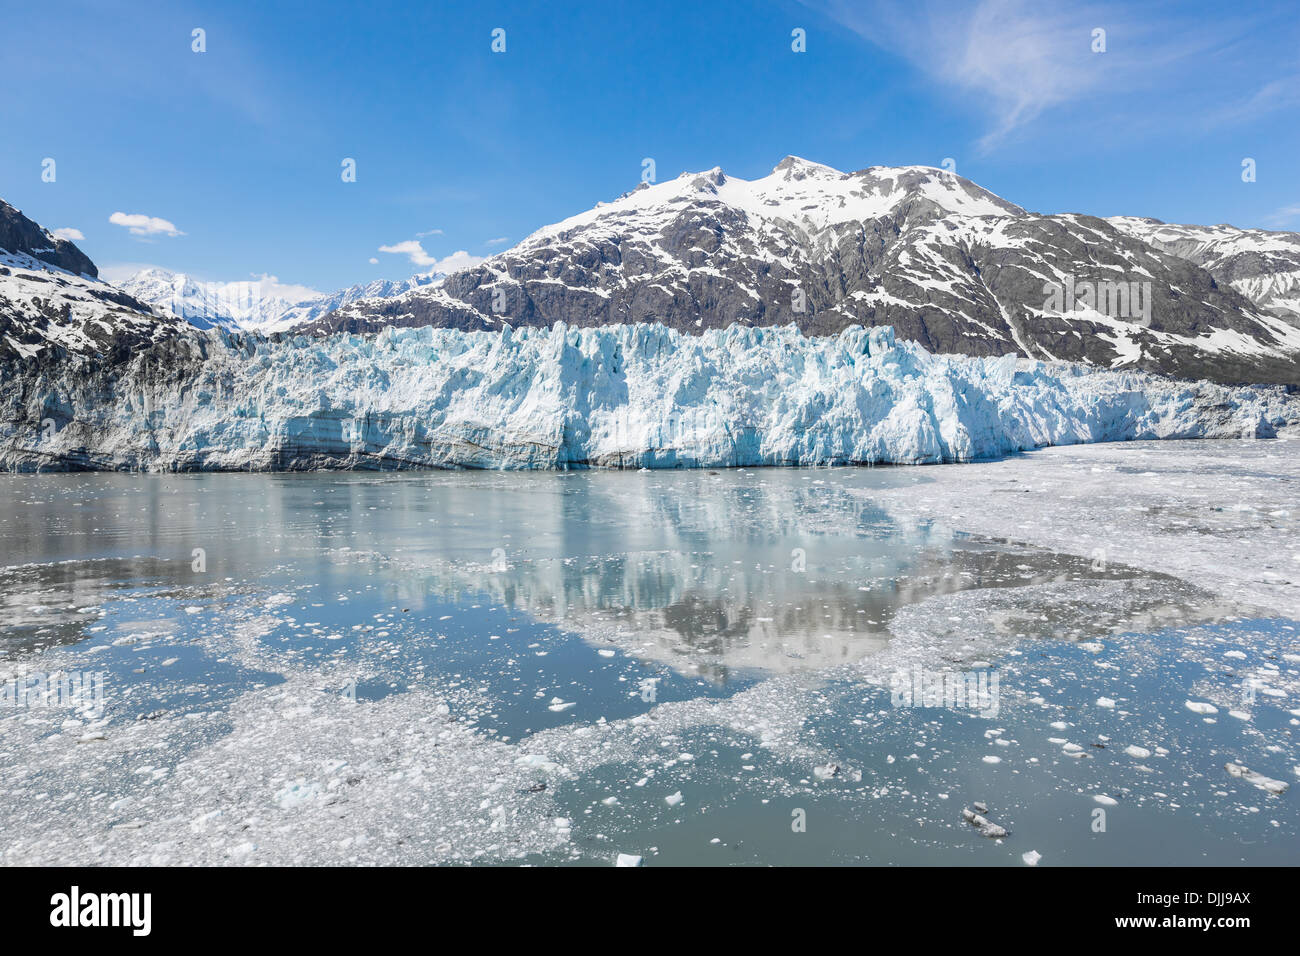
(941, 260)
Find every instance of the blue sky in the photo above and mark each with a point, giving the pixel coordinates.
(226, 163)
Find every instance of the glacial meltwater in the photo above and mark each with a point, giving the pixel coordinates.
(767, 666)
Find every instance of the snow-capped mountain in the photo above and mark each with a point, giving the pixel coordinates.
(1262, 265)
(945, 262)
(52, 301)
(311, 309)
(624, 396)
(250, 305)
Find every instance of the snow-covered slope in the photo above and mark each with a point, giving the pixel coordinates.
(52, 301)
(626, 396)
(1262, 265)
(945, 262)
(250, 305)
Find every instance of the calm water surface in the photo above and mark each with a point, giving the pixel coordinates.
(766, 614)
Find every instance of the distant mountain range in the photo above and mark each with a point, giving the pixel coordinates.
(251, 305)
(943, 261)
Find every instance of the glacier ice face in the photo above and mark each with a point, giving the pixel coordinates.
(623, 396)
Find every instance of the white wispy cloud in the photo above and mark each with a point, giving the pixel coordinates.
(414, 250)
(497, 242)
(68, 233)
(1019, 59)
(1282, 93)
(1286, 216)
(431, 232)
(141, 225)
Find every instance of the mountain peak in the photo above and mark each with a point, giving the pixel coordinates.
(21, 236)
(796, 167)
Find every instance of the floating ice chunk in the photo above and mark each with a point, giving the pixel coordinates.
(1135, 751)
(1105, 702)
(1199, 707)
(1104, 800)
(673, 799)
(537, 762)
(986, 826)
(1256, 779)
(1031, 858)
(826, 772)
(297, 793)
(992, 759)
(204, 818)
(628, 859)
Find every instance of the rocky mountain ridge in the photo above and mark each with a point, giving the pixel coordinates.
(933, 255)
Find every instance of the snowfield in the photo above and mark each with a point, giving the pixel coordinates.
(627, 396)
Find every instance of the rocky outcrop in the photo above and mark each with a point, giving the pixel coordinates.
(20, 236)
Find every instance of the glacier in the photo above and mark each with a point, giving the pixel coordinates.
(631, 396)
